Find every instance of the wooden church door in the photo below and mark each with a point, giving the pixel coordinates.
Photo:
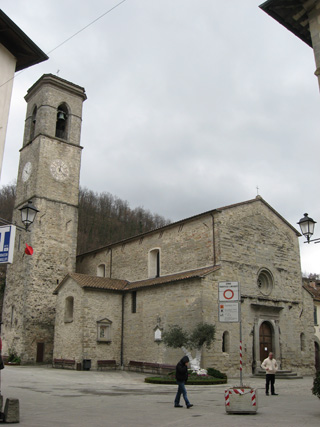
(265, 338)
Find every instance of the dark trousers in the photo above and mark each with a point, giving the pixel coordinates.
(181, 391)
(270, 379)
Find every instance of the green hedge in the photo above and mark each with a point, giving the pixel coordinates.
(214, 377)
(316, 384)
(215, 373)
(200, 381)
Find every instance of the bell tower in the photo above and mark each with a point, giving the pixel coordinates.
(49, 171)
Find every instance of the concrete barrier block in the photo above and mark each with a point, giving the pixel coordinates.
(11, 411)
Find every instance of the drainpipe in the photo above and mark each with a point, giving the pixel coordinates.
(110, 270)
(213, 242)
(122, 332)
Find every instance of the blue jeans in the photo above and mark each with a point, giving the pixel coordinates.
(181, 390)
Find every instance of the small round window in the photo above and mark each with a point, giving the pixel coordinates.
(265, 282)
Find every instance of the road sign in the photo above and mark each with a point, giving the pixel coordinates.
(7, 235)
(229, 291)
(229, 312)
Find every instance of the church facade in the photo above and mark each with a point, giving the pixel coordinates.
(125, 295)
(114, 303)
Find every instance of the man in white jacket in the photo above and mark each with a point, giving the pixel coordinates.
(270, 366)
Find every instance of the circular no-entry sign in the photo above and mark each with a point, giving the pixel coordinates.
(228, 294)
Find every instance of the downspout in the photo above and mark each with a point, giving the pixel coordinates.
(110, 269)
(122, 331)
(213, 241)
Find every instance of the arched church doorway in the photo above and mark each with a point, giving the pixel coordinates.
(265, 340)
(317, 355)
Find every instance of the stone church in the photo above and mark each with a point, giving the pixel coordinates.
(113, 304)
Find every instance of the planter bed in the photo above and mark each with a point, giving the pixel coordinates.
(191, 381)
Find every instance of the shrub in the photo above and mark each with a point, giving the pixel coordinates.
(316, 385)
(175, 337)
(13, 357)
(216, 373)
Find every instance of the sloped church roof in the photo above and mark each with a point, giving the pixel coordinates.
(103, 283)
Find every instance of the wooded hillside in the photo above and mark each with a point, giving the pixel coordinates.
(103, 218)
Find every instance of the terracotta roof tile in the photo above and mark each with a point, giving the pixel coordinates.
(104, 283)
(315, 292)
(94, 282)
(172, 278)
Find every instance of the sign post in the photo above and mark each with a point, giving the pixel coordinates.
(230, 309)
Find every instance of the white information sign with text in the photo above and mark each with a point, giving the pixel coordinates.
(229, 291)
(229, 312)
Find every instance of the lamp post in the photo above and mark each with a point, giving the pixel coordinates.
(307, 228)
(28, 214)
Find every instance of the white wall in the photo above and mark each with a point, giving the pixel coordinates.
(7, 70)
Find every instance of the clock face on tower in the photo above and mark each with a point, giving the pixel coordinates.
(26, 172)
(59, 170)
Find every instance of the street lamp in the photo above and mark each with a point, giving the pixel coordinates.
(307, 228)
(28, 214)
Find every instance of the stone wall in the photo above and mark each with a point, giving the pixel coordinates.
(29, 303)
(245, 239)
(183, 247)
(77, 338)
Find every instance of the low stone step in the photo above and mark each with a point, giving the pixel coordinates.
(281, 374)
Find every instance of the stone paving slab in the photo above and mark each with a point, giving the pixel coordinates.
(56, 397)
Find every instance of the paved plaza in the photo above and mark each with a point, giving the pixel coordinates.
(67, 398)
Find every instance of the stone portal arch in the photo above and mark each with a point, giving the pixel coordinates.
(266, 336)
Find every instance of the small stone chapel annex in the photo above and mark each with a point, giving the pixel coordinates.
(114, 303)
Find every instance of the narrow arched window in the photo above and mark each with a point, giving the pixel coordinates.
(12, 314)
(134, 302)
(154, 263)
(226, 342)
(302, 342)
(68, 312)
(101, 270)
(33, 123)
(62, 122)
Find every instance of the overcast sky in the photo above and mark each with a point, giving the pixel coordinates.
(192, 104)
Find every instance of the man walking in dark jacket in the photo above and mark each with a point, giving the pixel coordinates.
(181, 378)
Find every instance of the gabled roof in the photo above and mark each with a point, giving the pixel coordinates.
(192, 218)
(93, 282)
(25, 51)
(315, 292)
(292, 14)
(103, 283)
